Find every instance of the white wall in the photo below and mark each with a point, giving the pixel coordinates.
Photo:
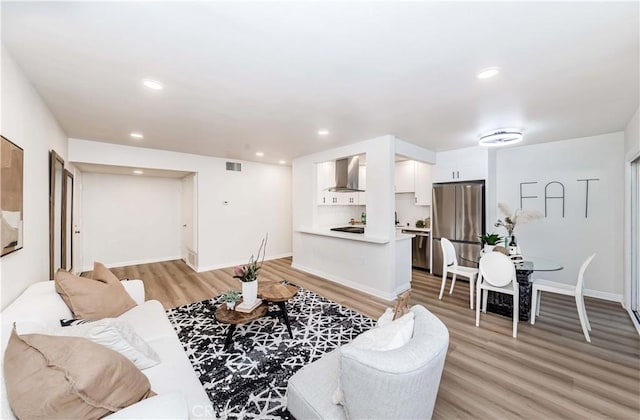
(632, 136)
(570, 240)
(258, 199)
(632, 152)
(26, 121)
(407, 210)
(130, 220)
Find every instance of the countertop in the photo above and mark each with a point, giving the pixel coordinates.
(413, 228)
(353, 236)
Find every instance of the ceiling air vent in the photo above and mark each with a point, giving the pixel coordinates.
(234, 166)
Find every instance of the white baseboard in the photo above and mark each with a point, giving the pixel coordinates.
(386, 296)
(233, 264)
(134, 262)
(614, 297)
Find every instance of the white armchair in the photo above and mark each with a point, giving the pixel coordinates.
(395, 384)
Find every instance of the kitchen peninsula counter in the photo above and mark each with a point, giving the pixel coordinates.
(399, 236)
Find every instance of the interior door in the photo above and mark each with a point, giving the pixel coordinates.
(187, 215)
(77, 223)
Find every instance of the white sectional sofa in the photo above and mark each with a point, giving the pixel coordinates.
(180, 394)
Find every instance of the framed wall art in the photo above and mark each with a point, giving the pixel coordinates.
(11, 196)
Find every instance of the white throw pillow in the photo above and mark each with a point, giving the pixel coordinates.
(386, 317)
(387, 337)
(116, 335)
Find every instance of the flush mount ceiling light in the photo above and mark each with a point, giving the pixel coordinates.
(282, 162)
(323, 132)
(152, 84)
(138, 172)
(259, 154)
(488, 73)
(501, 137)
(136, 135)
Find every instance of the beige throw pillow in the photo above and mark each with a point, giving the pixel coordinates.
(68, 377)
(97, 298)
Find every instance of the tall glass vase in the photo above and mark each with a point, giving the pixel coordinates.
(250, 292)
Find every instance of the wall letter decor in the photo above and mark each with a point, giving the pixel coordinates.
(586, 200)
(548, 197)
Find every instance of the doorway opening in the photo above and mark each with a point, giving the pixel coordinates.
(635, 238)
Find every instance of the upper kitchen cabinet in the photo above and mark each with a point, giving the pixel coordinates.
(467, 164)
(362, 196)
(405, 176)
(423, 184)
(326, 178)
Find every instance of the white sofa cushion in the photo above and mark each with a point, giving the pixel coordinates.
(171, 405)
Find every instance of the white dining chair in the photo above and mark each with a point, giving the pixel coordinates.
(498, 274)
(450, 265)
(541, 285)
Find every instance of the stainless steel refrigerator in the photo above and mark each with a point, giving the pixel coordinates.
(458, 215)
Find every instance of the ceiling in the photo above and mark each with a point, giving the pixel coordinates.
(127, 170)
(243, 77)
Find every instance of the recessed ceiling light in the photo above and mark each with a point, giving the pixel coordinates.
(138, 171)
(501, 137)
(323, 132)
(259, 154)
(152, 84)
(489, 73)
(136, 135)
(282, 162)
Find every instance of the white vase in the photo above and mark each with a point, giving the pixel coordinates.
(488, 248)
(231, 305)
(249, 292)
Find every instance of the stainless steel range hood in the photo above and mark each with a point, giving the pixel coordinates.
(347, 175)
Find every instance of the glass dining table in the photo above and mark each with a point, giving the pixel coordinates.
(501, 303)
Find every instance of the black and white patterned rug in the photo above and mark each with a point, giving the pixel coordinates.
(249, 380)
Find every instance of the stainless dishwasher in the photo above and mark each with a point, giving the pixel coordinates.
(420, 249)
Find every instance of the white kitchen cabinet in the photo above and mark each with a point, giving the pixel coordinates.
(405, 176)
(467, 164)
(422, 184)
(326, 179)
(362, 185)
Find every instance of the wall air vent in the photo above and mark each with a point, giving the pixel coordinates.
(234, 166)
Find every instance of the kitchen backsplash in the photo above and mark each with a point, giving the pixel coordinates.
(338, 215)
(408, 212)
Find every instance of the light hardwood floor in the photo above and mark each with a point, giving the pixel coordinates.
(548, 372)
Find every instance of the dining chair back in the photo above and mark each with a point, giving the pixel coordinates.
(541, 285)
(497, 269)
(450, 265)
(583, 268)
(449, 256)
(498, 274)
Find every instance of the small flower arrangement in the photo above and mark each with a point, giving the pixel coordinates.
(231, 296)
(519, 217)
(249, 272)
